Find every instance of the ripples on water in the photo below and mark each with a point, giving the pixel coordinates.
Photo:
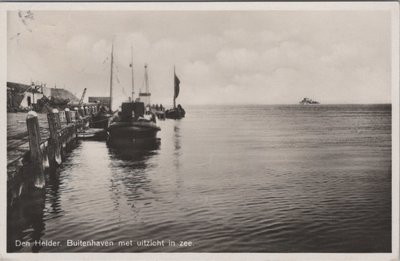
(229, 179)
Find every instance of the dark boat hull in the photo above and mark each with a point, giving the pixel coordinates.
(92, 134)
(132, 131)
(100, 121)
(174, 114)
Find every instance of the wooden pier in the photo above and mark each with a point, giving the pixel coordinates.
(35, 151)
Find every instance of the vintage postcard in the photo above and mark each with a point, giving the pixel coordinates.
(200, 131)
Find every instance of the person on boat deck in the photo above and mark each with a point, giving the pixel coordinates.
(153, 118)
(180, 108)
(147, 110)
(102, 109)
(116, 117)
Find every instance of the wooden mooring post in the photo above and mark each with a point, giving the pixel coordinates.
(74, 116)
(68, 116)
(54, 125)
(62, 117)
(28, 166)
(36, 156)
(81, 111)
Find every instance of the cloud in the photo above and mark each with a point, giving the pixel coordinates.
(236, 59)
(220, 57)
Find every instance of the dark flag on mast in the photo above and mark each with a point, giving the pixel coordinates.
(176, 84)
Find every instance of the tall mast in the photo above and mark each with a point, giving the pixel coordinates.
(111, 74)
(132, 72)
(174, 87)
(146, 79)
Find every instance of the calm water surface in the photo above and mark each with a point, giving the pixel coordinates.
(228, 179)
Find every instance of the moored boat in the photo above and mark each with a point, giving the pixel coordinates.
(177, 112)
(92, 134)
(101, 118)
(130, 125)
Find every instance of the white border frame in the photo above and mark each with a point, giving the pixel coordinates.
(393, 7)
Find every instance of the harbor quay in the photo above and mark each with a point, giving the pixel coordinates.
(35, 150)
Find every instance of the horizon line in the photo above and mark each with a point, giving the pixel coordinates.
(321, 104)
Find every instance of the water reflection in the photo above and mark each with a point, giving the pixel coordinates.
(133, 152)
(226, 187)
(177, 144)
(53, 196)
(25, 221)
(144, 144)
(130, 164)
(176, 137)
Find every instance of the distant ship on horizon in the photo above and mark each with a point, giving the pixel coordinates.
(308, 101)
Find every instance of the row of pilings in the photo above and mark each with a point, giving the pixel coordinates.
(33, 168)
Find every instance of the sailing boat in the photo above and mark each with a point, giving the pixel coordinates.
(130, 125)
(102, 117)
(177, 112)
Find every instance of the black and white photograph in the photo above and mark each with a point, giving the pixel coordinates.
(266, 129)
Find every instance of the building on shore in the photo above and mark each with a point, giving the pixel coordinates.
(23, 96)
(60, 95)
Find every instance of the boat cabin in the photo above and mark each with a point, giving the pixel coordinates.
(132, 110)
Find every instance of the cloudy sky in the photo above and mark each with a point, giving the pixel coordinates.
(265, 57)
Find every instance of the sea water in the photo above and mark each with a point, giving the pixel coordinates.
(224, 179)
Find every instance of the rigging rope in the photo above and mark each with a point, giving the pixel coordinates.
(118, 81)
